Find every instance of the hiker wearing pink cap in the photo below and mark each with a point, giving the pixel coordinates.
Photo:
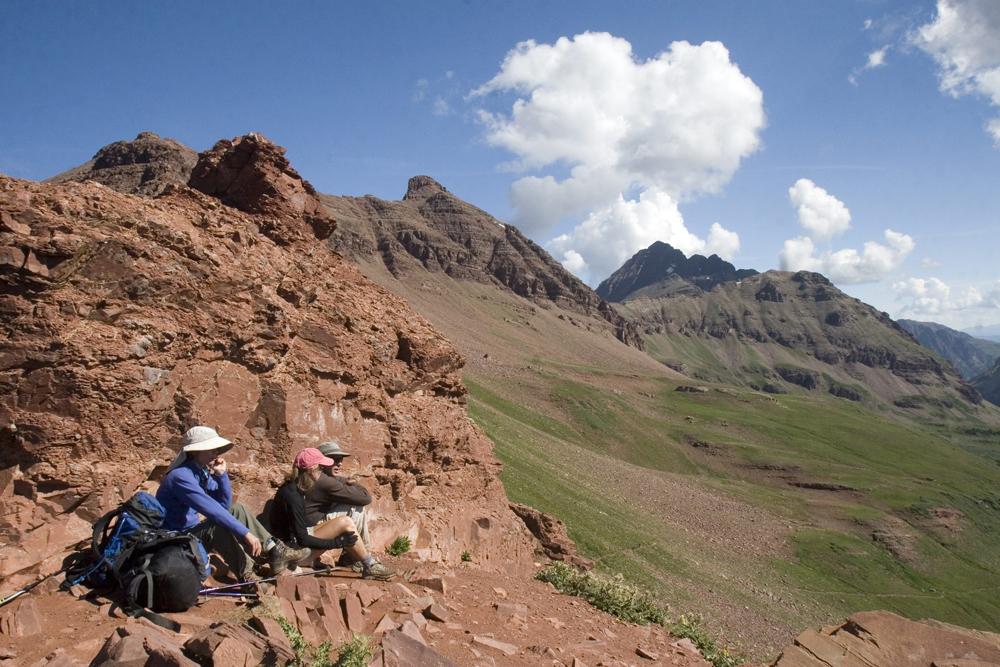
(288, 518)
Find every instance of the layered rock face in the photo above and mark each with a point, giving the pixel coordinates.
(433, 230)
(127, 319)
(798, 316)
(146, 165)
(661, 269)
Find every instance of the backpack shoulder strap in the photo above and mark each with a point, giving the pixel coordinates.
(132, 606)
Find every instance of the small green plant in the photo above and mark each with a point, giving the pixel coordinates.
(399, 546)
(691, 627)
(355, 653)
(466, 557)
(321, 655)
(612, 595)
(306, 655)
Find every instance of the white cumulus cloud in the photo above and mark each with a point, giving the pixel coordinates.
(848, 266)
(820, 213)
(610, 235)
(601, 132)
(933, 297)
(964, 40)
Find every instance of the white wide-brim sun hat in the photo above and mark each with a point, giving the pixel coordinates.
(201, 439)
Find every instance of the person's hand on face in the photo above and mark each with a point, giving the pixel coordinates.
(218, 466)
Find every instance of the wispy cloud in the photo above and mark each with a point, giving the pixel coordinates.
(875, 60)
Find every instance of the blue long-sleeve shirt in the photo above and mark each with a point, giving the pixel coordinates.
(189, 489)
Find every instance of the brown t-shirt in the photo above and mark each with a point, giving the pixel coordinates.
(329, 491)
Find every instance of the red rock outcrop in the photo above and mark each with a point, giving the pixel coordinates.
(552, 534)
(127, 319)
(880, 638)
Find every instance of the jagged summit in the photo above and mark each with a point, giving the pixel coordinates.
(422, 187)
(661, 269)
(147, 165)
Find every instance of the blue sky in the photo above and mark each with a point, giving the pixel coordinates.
(622, 136)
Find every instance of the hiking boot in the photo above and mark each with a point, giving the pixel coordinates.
(347, 562)
(282, 556)
(377, 571)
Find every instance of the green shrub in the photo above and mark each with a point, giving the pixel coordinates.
(355, 653)
(466, 557)
(691, 627)
(612, 595)
(634, 605)
(399, 546)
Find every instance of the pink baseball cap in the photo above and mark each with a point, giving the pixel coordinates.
(309, 457)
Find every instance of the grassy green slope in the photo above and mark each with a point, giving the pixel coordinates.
(556, 433)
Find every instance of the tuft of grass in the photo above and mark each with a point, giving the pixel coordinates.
(355, 653)
(399, 546)
(690, 626)
(466, 557)
(609, 594)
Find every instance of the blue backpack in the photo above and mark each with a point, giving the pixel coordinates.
(157, 570)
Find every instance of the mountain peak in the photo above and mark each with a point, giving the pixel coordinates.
(660, 263)
(147, 165)
(422, 187)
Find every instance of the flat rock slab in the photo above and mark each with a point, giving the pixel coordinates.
(503, 647)
(398, 650)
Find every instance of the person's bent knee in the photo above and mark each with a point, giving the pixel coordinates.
(334, 528)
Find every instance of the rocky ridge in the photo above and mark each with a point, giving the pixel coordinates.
(804, 332)
(661, 269)
(431, 229)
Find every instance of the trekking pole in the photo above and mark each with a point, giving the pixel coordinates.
(264, 581)
(225, 594)
(16, 594)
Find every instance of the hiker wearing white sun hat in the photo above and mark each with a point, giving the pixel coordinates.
(198, 483)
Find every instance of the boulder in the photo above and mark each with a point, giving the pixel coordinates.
(553, 535)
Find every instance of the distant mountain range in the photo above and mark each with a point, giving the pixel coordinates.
(986, 332)
(971, 356)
